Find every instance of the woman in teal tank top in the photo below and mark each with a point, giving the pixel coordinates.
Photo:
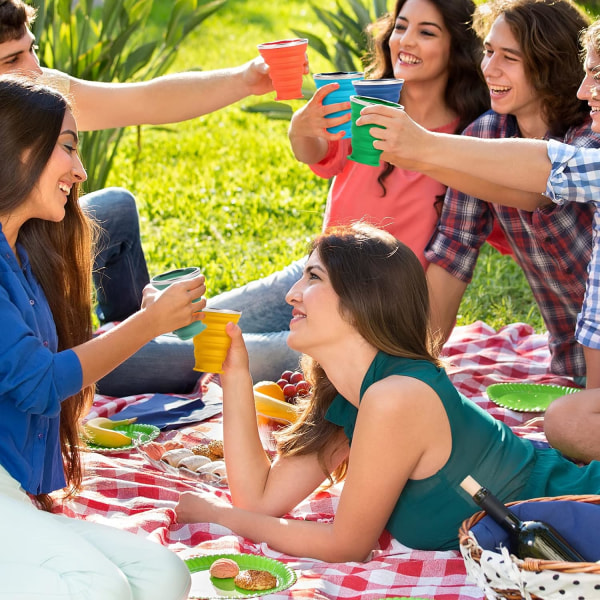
(383, 416)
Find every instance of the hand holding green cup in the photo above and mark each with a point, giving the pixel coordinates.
(362, 140)
(164, 280)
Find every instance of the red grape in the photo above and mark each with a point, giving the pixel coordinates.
(303, 388)
(289, 391)
(286, 375)
(296, 377)
(282, 383)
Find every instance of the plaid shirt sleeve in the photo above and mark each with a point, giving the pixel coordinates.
(466, 221)
(575, 177)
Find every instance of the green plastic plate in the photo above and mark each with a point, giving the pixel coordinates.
(205, 586)
(526, 397)
(139, 433)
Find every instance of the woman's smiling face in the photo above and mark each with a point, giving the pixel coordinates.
(420, 43)
(317, 320)
(48, 199)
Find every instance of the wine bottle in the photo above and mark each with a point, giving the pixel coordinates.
(534, 539)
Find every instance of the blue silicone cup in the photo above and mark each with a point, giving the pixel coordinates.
(164, 280)
(342, 94)
(384, 89)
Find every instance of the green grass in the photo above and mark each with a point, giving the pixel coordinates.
(224, 191)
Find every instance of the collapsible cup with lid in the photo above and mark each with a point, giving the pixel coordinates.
(164, 280)
(385, 89)
(286, 66)
(212, 344)
(362, 140)
(342, 94)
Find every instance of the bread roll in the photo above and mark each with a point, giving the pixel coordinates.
(174, 457)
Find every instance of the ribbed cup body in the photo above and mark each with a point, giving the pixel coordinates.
(384, 89)
(362, 140)
(286, 66)
(212, 344)
(342, 94)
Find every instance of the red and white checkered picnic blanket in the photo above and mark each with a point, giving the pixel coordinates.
(126, 491)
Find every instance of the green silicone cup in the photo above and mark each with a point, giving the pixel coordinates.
(164, 280)
(362, 141)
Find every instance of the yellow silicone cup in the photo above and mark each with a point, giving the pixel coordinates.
(212, 344)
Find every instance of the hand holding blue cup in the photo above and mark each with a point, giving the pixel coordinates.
(164, 280)
(344, 80)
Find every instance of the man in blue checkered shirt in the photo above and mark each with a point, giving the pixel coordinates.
(530, 174)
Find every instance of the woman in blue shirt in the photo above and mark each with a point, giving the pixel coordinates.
(49, 363)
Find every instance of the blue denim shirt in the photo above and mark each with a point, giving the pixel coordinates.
(34, 378)
(575, 177)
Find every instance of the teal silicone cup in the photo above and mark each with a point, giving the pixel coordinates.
(164, 280)
(362, 141)
(384, 89)
(342, 94)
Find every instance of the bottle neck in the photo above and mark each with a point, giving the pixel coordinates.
(496, 509)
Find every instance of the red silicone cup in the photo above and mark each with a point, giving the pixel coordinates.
(286, 66)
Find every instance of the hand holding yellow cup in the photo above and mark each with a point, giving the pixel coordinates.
(212, 344)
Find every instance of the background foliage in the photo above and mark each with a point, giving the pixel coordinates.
(112, 40)
(224, 191)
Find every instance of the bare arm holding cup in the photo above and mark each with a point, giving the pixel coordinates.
(507, 171)
(162, 311)
(308, 128)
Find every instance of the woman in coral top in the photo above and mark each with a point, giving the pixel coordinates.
(431, 45)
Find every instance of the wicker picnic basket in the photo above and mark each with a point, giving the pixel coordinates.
(503, 575)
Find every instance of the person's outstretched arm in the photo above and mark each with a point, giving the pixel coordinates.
(161, 312)
(166, 99)
(462, 162)
(255, 483)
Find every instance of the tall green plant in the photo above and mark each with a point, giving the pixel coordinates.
(346, 25)
(112, 40)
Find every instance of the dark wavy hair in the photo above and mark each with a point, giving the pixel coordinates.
(466, 91)
(15, 18)
(60, 253)
(549, 33)
(366, 267)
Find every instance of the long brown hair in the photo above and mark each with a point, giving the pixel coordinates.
(466, 91)
(383, 292)
(548, 32)
(60, 253)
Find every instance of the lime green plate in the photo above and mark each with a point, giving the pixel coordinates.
(526, 397)
(140, 434)
(205, 586)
